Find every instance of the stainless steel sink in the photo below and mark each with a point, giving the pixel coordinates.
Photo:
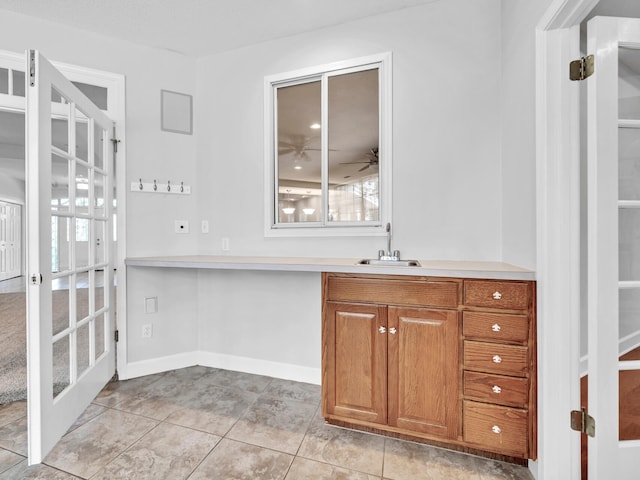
(389, 263)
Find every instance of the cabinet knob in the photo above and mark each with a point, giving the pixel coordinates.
(496, 429)
(497, 295)
(496, 389)
(393, 331)
(382, 329)
(497, 359)
(496, 327)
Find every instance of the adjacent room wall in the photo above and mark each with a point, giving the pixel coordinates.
(446, 174)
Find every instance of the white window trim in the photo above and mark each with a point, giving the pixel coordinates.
(386, 151)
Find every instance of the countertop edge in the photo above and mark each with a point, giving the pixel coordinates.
(430, 268)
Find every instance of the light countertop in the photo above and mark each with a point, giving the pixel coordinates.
(430, 268)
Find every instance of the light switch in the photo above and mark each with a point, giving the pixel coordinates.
(150, 304)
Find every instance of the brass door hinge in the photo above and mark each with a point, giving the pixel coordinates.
(116, 336)
(582, 68)
(581, 421)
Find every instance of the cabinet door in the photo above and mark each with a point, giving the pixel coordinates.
(423, 370)
(355, 362)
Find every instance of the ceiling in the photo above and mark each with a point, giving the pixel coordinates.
(198, 28)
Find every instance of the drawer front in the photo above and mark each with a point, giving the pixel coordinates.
(486, 293)
(499, 429)
(393, 292)
(495, 358)
(487, 387)
(496, 326)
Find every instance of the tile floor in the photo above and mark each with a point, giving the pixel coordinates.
(205, 423)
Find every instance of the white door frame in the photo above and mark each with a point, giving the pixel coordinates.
(558, 236)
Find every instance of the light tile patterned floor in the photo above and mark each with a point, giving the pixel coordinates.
(205, 423)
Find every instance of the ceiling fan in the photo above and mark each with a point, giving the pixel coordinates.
(298, 145)
(373, 160)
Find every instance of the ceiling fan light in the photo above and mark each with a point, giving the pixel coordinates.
(308, 211)
(315, 126)
(288, 210)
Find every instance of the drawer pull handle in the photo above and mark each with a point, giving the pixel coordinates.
(497, 295)
(496, 429)
(393, 331)
(496, 327)
(496, 389)
(382, 329)
(497, 359)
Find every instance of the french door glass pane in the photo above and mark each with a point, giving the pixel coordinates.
(82, 242)
(60, 243)
(59, 183)
(629, 164)
(61, 365)
(99, 195)
(99, 300)
(82, 136)
(99, 335)
(629, 244)
(99, 145)
(628, 86)
(18, 83)
(60, 307)
(4, 80)
(83, 347)
(82, 296)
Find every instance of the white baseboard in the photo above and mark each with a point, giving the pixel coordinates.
(226, 362)
(158, 365)
(256, 366)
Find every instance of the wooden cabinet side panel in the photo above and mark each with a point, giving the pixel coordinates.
(423, 370)
(355, 357)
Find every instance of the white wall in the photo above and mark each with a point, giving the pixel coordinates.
(446, 178)
(150, 154)
(518, 116)
(11, 189)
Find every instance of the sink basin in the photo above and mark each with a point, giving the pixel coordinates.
(389, 263)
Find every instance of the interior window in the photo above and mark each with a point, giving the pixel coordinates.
(330, 163)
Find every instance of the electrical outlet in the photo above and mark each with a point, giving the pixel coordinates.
(225, 244)
(182, 226)
(204, 226)
(147, 330)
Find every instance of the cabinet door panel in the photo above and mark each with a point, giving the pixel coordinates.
(355, 358)
(423, 370)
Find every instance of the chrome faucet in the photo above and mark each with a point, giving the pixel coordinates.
(388, 255)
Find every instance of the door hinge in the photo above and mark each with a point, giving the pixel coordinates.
(36, 279)
(581, 421)
(32, 67)
(582, 68)
(115, 336)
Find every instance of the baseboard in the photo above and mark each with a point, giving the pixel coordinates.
(158, 365)
(227, 362)
(256, 366)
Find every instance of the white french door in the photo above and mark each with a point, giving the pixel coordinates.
(614, 245)
(10, 240)
(70, 255)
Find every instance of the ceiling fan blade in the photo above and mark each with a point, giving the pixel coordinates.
(353, 163)
(364, 168)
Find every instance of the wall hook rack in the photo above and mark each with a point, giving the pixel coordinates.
(155, 187)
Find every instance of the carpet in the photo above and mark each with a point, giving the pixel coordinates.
(13, 343)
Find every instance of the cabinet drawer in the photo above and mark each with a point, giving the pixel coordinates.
(495, 358)
(486, 387)
(496, 428)
(487, 293)
(393, 292)
(496, 326)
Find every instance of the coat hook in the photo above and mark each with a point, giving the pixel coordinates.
(140, 186)
(155, 186)
(181, 187)
(168, 185)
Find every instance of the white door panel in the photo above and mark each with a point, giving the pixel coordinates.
(70, 346)
(613, 241)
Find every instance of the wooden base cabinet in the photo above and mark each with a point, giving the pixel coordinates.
(410, 357)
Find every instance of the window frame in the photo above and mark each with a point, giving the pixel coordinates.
(381, 61)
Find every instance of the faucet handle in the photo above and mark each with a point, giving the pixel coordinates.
(396, 254)
(380, 254)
